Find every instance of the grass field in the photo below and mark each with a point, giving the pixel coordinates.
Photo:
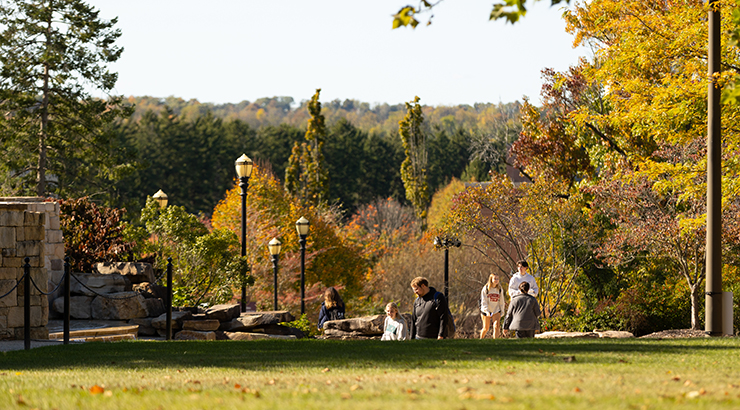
(428, 374)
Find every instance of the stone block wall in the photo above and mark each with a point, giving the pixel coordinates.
(23, 234)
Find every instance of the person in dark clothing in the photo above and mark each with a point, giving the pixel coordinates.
(428, 315)
(332, 308)
(522, 314)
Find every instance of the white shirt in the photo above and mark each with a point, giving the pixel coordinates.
(534, 290)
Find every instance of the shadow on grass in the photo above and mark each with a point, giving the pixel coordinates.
(276, 354)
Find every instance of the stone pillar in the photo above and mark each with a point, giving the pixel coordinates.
(22, 234)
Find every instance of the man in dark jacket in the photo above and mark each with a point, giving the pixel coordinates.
(522, 314)
(428, 315)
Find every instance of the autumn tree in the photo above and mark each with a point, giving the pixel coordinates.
(414, 167)
(54, 133)
(331, 260)
(306, 176)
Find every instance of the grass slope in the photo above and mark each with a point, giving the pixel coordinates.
(314, 374)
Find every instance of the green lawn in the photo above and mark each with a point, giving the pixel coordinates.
(429, 374)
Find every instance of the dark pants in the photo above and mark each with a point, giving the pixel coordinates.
(523, 334)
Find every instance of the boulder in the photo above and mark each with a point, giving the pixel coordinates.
(614, 334)
(136, 272)
(280, 330)
(79, 306)
(254, 336)
(154, 307)
(566, 335)
(93, 284)
(342, 335)
(249, 321)
(118, 306)
(160, 322)
(201, 325)
(367, 325)
(194, 335)
(223, 313)
(145, 326)
(150, 290)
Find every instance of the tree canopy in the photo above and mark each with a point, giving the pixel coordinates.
(55, 133)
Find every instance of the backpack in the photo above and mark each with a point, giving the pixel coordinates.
(449, 330)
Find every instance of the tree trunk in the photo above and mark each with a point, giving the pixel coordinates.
(41, 166)
(695, 306)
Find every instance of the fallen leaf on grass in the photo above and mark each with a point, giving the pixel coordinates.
(464, 389)
(675, 378)
(355, 387)
(271, 382)
(576, 390)
(687, 383)
(326, 369)
(19, 401)
(696, 393)
(569, 359)
(96, 389)
(346, 396)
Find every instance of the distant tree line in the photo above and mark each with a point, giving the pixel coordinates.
(190, 153)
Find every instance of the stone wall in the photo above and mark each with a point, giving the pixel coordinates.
(23, 230)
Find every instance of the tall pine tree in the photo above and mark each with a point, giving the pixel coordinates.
(54, 133)
(306, 176)
(414, 167)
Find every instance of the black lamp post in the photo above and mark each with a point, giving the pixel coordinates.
(161, 199)
(244, 171)
(302, 226)
(274, 247)
(446, 242)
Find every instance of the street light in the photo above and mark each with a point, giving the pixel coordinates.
(244, 171)
(446, 242)
(302, 226)
(274, 247)
(161, 199)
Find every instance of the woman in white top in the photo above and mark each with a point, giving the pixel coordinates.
(394, 327)
(492, 306)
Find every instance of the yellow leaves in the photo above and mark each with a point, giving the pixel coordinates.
(405, 17)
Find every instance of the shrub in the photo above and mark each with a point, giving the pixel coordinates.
(92, 233)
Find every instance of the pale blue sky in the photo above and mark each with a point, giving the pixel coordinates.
(232, 50)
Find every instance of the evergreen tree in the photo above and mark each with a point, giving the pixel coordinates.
(53, 131)
(414, 167)
(306, 176)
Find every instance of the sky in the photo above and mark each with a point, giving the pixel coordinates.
(227, 51)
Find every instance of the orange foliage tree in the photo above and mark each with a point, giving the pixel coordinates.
(331, 258)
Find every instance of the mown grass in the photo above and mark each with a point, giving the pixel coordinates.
(314, 374)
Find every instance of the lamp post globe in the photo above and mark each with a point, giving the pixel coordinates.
(161, 199)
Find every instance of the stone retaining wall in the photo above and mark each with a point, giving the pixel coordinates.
(23, 230)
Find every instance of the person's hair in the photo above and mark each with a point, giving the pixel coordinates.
(523, 264)
(490, 282)
(524, 287)
(332, 298)
(418, 281)
(391, 305)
